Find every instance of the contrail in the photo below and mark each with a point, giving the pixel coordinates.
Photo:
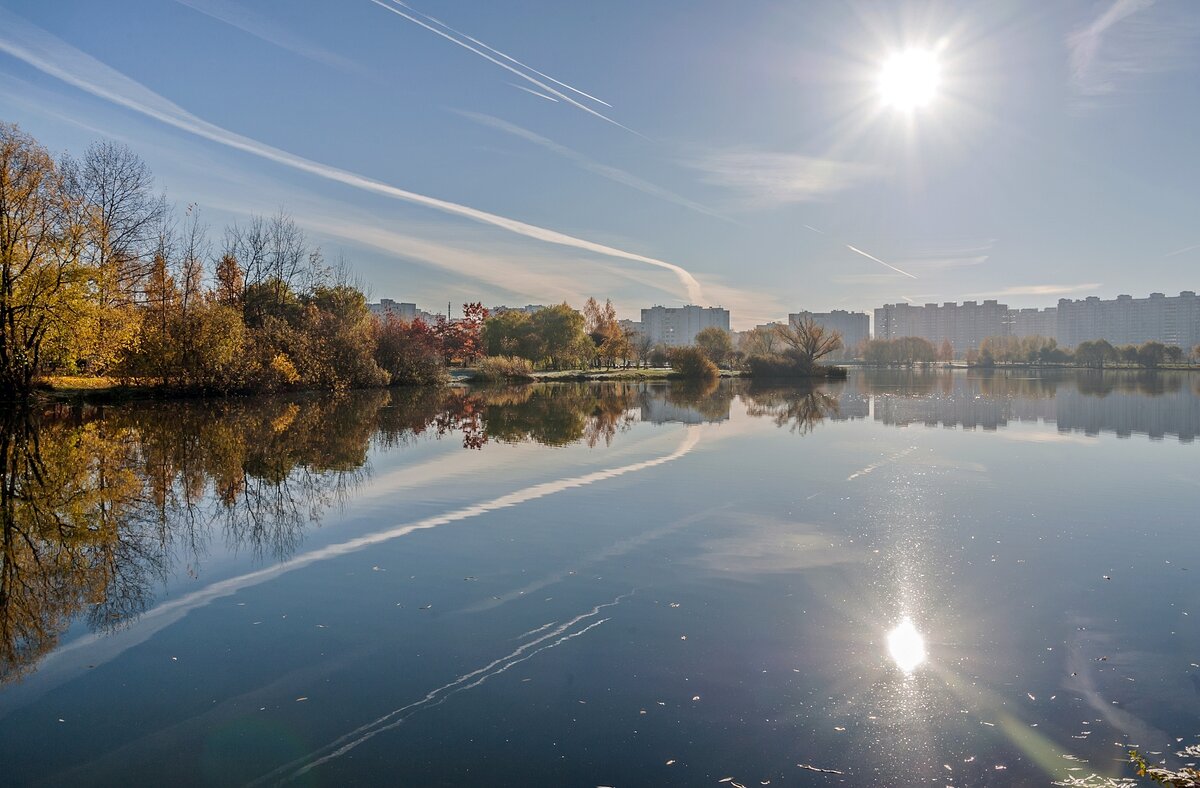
(505, 66)
(501, 54)
(876, 259)
(49, 54)
(436, 697)
(1181, 251)
(603, 170)
(531, 90)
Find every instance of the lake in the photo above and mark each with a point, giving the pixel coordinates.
(909, 578)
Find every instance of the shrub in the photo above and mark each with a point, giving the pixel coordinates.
(499, 369)
(787, 365)
(409, 352)
(691, 363)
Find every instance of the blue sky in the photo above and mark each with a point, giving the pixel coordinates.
(725, 153)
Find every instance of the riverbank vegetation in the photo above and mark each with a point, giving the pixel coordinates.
(101, 279)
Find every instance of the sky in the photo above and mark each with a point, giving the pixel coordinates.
(654, 152)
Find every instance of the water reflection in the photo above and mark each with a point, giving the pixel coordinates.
(1157, 404)
(100, 506)
(906, 646)
(799, 408)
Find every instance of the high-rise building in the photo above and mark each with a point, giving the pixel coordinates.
(678, 326)
(402, 311)
(1125, 320)
(1034, 322)
(855, 327)
(964, 325)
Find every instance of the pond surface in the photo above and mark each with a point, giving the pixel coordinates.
(904, 579)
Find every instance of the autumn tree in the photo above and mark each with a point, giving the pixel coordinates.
(760, 341)
(946, 351)
(600, 323)
(716, 343)
(41, 279)
(124, 223)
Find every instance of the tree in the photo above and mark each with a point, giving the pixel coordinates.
(1151, 354)
(946, 351)
(716, 344)
(692, 363)
(1095, 353)
(1174, 354)
(408, 352)
(124, 225)
(463, 340)
(761, 341)
(561, 336)
(510, 333)
(42, 282)
(810, 340)
(641, 345)
(600, 323)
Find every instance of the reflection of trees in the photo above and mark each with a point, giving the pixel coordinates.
(554, 414)
(71, 538)
(709, 398)
(800, 408)
(95, 503)
(1151, 384)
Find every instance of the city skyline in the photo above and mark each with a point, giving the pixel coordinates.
(761, 183)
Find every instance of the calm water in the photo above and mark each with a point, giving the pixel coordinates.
(606, 585)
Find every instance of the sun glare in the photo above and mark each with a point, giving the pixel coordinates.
(906, 646)
(909, 79)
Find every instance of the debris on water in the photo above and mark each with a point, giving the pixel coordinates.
(1107, 577)
(695, 697)
(376, 569)
(725, 780)
(674, 604)
(301, 698)
(839, 729)
(1102, 659)
(683, 637)
(989, 724)
(426, 607)
(817, 769)
(1030, 694)
(671, 762)
(1000, 767)
(174, 659)
(60, 719)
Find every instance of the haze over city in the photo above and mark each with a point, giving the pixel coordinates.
(768, 157)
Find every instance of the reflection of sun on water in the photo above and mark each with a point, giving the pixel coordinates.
(906, 646)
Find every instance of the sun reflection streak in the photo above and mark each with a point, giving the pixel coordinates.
(906, 646)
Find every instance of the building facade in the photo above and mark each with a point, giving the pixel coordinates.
(1034, 322)
(855, 327)
(1125, 320)
(678, 326)
(403, 311)
(964, 325)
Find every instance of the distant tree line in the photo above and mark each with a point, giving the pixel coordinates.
(1094, 353)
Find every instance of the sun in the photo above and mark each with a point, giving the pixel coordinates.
(909, 79)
